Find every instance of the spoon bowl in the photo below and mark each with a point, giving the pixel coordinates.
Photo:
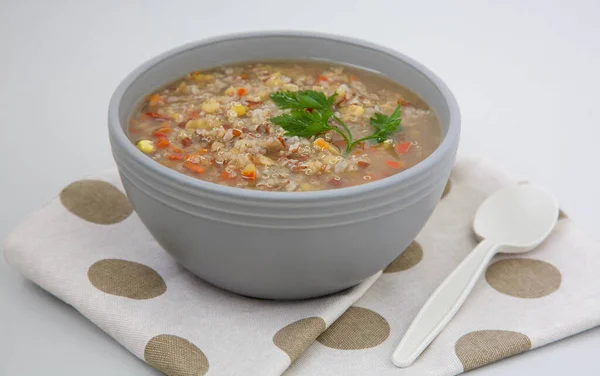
(519, 217)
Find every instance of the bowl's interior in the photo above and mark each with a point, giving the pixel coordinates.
(169, 67)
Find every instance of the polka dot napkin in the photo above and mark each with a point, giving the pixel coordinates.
(88, 248)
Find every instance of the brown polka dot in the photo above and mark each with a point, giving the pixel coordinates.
(126, 278)
(447, 188)
(479, 348)
(175, 356)
(358, 328)
(523, 278)
(295, 338)
(96, 201)
(412, 255)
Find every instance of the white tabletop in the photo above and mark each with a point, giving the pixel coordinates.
(526, 75)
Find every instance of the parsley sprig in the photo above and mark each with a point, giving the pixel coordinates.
(312, 114)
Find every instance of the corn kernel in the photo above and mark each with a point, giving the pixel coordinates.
(239, 109)
(146, 146)
(230, 91)
(210, 106)
(307, 187)
(355, 110)
(197, 124)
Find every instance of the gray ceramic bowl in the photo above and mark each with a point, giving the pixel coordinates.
(282, 245)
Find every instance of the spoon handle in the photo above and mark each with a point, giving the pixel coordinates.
(443, 304)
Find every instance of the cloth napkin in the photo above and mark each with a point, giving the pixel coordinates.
(89, 248)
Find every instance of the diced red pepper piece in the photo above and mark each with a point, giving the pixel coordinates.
(402, 147)
(394, 164)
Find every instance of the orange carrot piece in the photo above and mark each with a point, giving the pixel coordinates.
(236, 132)
(162, 143)
(175, 149)
(164, 130)
(154, 99)
(363, 164)
(321, 78)
(194, 114)
(402, 102)
(243, 76)
(225, 175)
(394, 164)
(322, 143)
(159, 134)
(202, 151)
(194, 167)
(241, 92)
(175, 157)
(402, 148)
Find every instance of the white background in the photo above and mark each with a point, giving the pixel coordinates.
(525, 73)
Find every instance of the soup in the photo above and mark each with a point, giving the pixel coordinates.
(285, 126)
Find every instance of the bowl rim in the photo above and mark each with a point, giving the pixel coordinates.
(119, 136)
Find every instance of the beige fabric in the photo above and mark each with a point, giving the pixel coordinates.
(89, 249)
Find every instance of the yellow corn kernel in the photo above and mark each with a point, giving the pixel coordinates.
(197, 124)
(355, 110)
(307, 187)
(239, 109)
(146, 146)
(210, 106)
(230, 91)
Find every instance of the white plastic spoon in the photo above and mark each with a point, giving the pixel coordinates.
(513, 220)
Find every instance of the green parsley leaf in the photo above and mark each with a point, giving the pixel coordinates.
(303, 123)
(302, 100)
(386, 125)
